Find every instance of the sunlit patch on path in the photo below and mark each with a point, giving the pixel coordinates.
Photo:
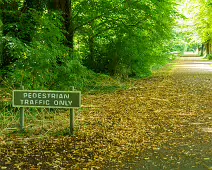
(207, 130)
(193, 64)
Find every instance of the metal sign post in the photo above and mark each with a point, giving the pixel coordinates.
(72, 118)
(22, 115)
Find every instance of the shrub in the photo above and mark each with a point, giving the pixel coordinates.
(209, 56)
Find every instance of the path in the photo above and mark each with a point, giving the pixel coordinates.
(194, 64)
(187, 145)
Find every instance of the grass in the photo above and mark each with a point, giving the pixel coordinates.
(43, 121)
(46, 122)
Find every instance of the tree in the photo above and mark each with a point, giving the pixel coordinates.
(105, 25)
(204, 24)
(65, 6)
(125, 38)
(32, 43)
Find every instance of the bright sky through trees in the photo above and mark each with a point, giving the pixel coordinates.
(198, 22)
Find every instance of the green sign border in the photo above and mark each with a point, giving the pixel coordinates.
(47, 91)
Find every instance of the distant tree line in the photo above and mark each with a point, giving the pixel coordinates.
(204, 25)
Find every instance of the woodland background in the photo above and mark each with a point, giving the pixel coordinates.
(51, 44)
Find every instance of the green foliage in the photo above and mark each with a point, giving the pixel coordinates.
(178, 42)
(118, 38)
(37, 64)
(1, 45)
(209, 56)
(204, 20)
(126, 40)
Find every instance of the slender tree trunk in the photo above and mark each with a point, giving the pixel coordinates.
(208, 48)
(202, 50)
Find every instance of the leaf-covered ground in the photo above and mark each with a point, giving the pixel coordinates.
(164, 122)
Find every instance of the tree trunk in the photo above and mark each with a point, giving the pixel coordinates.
(66, 7)
(202, 50)
(208, 48)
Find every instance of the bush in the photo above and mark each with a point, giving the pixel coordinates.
(209, 56)
(36, 64)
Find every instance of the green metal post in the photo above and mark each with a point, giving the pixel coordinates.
(22, 115)
(72, 118)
